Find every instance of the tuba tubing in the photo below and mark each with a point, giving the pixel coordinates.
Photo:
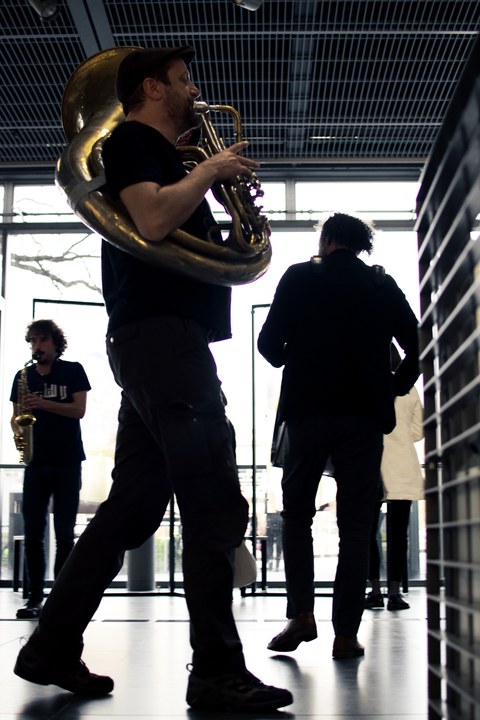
(90, 111)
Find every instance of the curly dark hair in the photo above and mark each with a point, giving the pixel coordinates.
(51, 329)
(349, 231)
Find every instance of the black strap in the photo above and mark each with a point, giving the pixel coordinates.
(378, 274)
(318, 268)
(316, 264)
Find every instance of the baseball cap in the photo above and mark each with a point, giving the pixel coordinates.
(141, 63)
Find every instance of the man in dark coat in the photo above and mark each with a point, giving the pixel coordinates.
(330, 325)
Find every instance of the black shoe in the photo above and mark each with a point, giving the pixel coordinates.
(346, 647)
(241, 692)
(30, 611)
(74, 676)
(299, 629)
(396, 602)
(374, 601)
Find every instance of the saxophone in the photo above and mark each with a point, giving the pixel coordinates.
(25, 419)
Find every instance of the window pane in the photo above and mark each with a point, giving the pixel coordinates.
(64, 267)
(40, 203)
(273, 200)
(58, 276)
(386, 201)
(272, 203)
(49, 267)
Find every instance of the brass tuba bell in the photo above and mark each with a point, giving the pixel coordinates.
(90, 111)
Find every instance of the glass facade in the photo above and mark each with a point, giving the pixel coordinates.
(52, 269)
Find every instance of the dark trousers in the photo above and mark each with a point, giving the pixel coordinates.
(355, 446)
(398, 518)
(172, 437)
(40, 484)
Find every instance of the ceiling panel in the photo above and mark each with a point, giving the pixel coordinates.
(363, 83)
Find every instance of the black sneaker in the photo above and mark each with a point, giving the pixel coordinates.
(31, 665)
(396, 602)
(374, 601)
(241, 692)
(30, 611)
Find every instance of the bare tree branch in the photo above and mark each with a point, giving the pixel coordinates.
(41, 265)
(50, 258)
(56, 280)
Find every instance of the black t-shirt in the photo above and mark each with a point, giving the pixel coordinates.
(133, 289)
(57, 440)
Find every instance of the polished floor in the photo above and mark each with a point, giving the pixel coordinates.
(142, 642)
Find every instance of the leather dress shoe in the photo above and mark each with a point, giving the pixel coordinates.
(346, 647)
(299, 629)
(30, 611)
(34, 666)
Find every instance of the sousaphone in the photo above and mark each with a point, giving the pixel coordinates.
(90, 111)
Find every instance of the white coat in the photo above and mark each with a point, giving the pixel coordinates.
(401, 470)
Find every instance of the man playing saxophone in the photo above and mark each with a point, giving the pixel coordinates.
(49, 399)
(173, 435)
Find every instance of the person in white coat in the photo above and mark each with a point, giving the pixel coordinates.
(402, 482)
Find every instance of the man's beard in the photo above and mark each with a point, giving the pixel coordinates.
(184, 116)
(193, 119)
(191, 135)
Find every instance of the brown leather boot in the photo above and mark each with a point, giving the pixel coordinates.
(299, 629)
(346, 647)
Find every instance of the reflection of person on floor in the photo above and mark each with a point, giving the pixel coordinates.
(330, 325)
(402, 482)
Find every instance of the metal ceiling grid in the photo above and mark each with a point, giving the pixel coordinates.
(315, 81)
(331, 80)
(34, 68)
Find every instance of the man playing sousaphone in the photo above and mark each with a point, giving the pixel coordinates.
(173, 434)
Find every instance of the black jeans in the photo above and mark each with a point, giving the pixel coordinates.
(172, 437)
(398, 518)
(40, 483)
(355, 446)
